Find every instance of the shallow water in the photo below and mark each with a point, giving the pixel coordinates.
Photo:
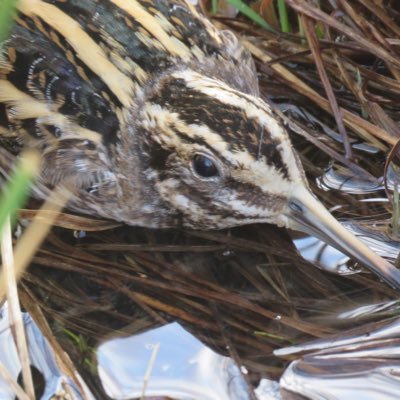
(184, 368)
(365, 364)
(365, 361)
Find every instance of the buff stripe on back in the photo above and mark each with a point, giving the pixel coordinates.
(26, 107)
(150, 23)
(85, 47)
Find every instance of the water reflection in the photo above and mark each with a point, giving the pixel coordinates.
(333, 179)
(332, 260)
(365, 361)
(370, 310)
(41, 357)
(367, 383)
(184, 368)
(377, 241)
(326, 257)
(352, 184)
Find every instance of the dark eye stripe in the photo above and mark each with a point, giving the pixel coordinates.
(195, 140)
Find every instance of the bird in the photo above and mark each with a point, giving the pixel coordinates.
(154, 118)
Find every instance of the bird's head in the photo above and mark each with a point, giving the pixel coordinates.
(215, 157)
(218, 158)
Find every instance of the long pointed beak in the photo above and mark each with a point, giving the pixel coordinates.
(307, 214)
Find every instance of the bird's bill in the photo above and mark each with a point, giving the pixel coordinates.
(307, 214)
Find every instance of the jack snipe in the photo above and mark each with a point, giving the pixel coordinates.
(153, 116)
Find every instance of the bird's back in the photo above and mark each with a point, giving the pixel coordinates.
(70, 67)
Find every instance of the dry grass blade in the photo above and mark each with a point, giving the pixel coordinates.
(15, 265)
(313, 12)
(363, 128)
(218, 294)
(119, 247)
(390, 158)
(15, 310)
(6, 376)
(296, 127)
(309, 29)
(70, 221)
(150, 367)
(366, 27)
(379, 11)
(38, 229)
(369, 30)
(32, 305)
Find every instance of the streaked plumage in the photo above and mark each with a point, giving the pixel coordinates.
(120, 95)
(151, 114)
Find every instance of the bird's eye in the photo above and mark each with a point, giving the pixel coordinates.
(204, 166)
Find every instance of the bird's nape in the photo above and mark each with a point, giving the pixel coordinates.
(305, 213)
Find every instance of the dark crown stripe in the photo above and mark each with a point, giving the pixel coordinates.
(232, 124)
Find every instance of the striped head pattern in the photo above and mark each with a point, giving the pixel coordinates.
(152, 117)
(217, 157)
(147, 110)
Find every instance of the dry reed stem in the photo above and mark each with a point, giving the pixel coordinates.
(14, 266)
(69, 221)
(314, 12)
(36, 233)
(15, 314)
(315, 47)
(6, 376)
(150, 367)
(63, 361)
(364, 128)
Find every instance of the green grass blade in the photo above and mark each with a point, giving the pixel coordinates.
(7, 12)
(250, 13)
(283, 17)
(16, 190)
(214, 7)
(319, 32)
